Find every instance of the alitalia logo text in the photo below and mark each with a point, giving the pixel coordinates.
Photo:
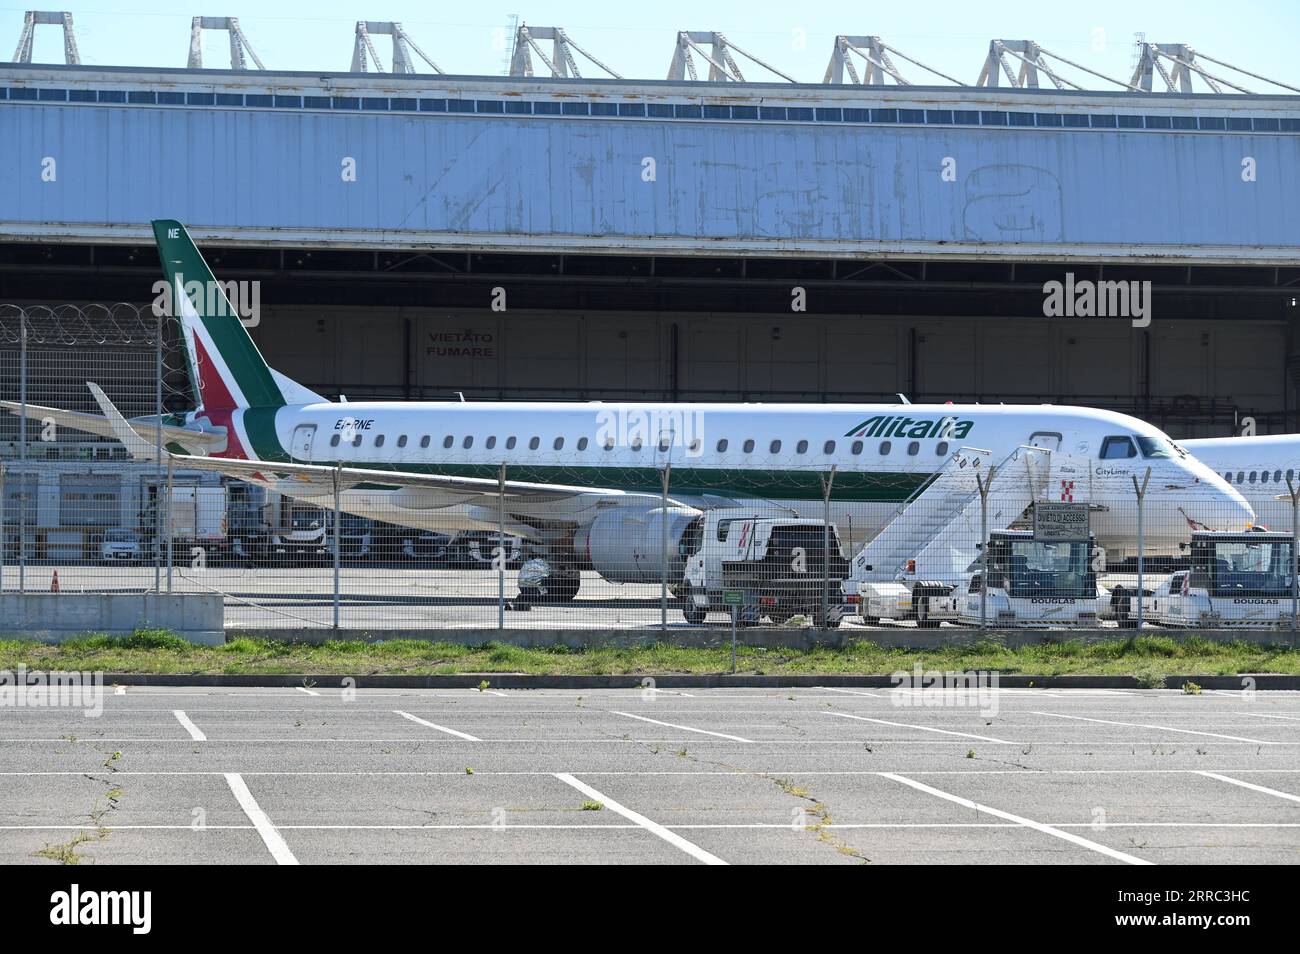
(947, 428)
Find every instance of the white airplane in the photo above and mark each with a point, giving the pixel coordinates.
(1258, 468)
(582, 481)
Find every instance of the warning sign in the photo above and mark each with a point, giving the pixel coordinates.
(1061, 521)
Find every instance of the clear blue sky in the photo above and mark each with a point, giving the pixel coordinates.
(637, 38)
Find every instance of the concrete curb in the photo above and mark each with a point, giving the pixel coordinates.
(761, 637)
(668, 681)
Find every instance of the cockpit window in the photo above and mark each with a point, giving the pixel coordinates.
(1117, 448)
(1155, 447)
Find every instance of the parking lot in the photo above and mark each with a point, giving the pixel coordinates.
(814, 775)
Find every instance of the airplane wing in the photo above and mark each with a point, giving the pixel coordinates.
(94, 424)
(421, 490)
(319, 478)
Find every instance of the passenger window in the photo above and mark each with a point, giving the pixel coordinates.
(1290, 474)
(356, 441)
(723, 526)
(582, 443)
(636, 443)
(913, 448)
(379, 440)
(801, 447)
(1241, 477)
(401, 441)
(774, 447)
(828, 447)
(334, 441)
(510, 443)
(942, 449)
(885, 447)
(448, 441)
(664, 444)
(424, 441)
(467, 443)
(534, 443)
(1252, 476)
(749, 446)
(1117, 448)
(695, 446)
(559, 443)
(491, 443)
(609, 443)
(722, 446)
(1277, 476)
(1263, 478)
(856, 448)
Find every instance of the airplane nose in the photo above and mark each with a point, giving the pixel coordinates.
(1221, 507)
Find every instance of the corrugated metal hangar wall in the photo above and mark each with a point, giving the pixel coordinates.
(672, 278)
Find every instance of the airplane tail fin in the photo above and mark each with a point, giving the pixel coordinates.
(226, 368)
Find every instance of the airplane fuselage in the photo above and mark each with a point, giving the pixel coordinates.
(770, 456)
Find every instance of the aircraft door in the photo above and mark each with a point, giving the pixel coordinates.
(1048, 440)
(304, 435)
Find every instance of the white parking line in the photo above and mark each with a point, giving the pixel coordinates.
(441, 728)
(1270, 715)
(922, 728)
(1162, 728)
(1020, 820)
(850, 692)
(270, 836)
(684, 728)
(706, 826)
(1251, 785)
(306, 690)
(195, 732)
(692, 849)
(563, 740)
(631, 773)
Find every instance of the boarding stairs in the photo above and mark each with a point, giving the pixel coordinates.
(935, 534)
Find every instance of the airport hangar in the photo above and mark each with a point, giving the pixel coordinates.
(649, 235)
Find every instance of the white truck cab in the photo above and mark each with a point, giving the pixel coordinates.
(1033, 583)
(781, 563)
(1234, 580)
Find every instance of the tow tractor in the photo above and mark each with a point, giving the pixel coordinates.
(1034, 583)
(1234, 580)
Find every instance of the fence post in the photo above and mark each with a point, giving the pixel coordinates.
(1295, 549)
(4, 534)
(157, 467)
(338, 512)
(983, 483)
(171, 474)
(22, 454)
(501, 547)
(1141, 491)
(828, 481)
(666, 475)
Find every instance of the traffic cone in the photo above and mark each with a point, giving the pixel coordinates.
(54, 582)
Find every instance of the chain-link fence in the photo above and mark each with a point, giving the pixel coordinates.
(579, 526)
